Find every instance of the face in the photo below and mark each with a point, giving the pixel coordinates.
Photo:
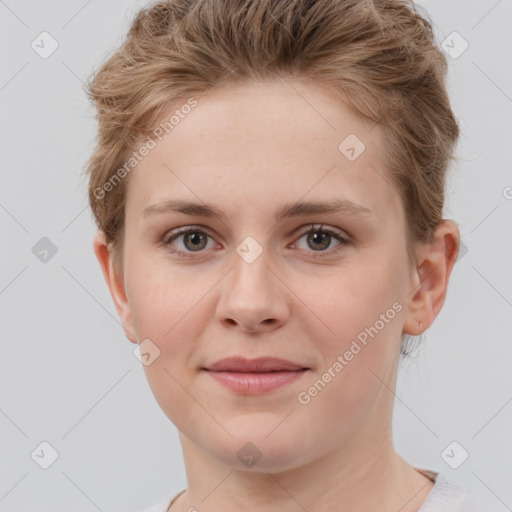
(325, 288)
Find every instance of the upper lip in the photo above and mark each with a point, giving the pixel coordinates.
(261, 364)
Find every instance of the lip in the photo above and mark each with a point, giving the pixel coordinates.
(254, 376)
(255, 383)
(260, 365)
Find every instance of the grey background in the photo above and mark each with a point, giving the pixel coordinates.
(68, 375)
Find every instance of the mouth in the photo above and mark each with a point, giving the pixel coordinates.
(255, 376)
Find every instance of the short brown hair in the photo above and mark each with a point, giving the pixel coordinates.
(378, 56)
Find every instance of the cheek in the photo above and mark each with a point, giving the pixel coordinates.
(355, 364)
(166, 306)
(365, 312)
(358, 298)
(161, 298)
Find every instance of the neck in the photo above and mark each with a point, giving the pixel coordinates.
(357, 476)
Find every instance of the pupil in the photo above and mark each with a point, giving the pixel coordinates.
(196, 238)
(323, 236)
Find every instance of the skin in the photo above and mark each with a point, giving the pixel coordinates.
(248, 150)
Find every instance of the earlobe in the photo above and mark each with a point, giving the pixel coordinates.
(115, 284)
(430, 283)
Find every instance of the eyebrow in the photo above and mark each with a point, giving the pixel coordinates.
(288, 210)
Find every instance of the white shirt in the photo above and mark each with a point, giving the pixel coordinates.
(444, 496)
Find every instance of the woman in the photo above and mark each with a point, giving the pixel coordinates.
(302, 146)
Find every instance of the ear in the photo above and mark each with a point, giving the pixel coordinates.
(429, 281)
(115, 285)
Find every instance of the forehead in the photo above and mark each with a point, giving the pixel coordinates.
(264, 144)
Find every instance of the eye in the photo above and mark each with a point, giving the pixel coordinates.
(319, 238)
(194, 240)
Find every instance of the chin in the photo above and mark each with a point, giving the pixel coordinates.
(255, 450)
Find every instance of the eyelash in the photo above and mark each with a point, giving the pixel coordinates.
(311, 228)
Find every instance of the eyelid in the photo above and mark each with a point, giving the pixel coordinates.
(323, 227)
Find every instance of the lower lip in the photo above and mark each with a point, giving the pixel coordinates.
(254, 383)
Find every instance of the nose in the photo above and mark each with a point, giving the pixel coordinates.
(253, 297)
